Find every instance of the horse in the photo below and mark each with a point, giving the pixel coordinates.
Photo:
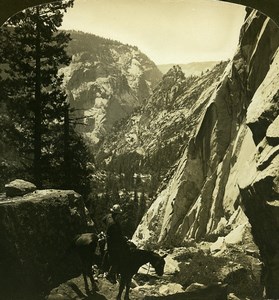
(85, 246)
(133, 261)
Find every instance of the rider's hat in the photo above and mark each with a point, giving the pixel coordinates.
(116, 209)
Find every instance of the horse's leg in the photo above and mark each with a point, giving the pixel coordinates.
(85, 281)
(93, 282)
(121, 288)
(128, 285)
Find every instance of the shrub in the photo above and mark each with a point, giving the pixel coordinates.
(200, 268)
(197, 266)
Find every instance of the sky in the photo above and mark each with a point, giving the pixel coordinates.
(167, 31)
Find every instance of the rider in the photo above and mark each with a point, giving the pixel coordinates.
(116, 242)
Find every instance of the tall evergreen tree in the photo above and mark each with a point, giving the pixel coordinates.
(32, 51)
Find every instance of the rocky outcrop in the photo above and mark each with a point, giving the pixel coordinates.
(202, 197)
(260, 186)
(152, 140)
(106, 81)
(35, 231)
(228, 175)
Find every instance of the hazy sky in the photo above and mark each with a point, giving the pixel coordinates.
(167, 31)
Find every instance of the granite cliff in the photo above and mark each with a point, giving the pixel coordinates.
(223, 180)
(227, 177)
(106, 81)
(259, 187)
(150, 142)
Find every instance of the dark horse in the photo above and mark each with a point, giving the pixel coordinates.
(85, 246)
(134, 260)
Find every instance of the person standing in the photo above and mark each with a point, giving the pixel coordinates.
(117, 245)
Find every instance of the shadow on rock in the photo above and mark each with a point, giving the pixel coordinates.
(210, 292)
(90, 296)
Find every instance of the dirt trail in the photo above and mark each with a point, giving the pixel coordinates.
(74, 290)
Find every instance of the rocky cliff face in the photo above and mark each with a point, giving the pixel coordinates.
(152, 140)
(230, 165)
(35, 231)
(260, 186)
(106, 81)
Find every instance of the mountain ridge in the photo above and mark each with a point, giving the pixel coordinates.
(105, 81)
(190, 69)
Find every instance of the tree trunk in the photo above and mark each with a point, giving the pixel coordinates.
(66, 148)
(38, 109)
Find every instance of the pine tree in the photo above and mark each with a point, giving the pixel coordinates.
(33, 50)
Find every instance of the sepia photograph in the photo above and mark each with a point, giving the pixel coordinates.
(139, 150)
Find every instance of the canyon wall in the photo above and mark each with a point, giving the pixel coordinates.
(105, 81)
(227, 176)
(259, 181)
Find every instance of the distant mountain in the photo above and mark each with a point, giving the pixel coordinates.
(106, 81)
(194, 68)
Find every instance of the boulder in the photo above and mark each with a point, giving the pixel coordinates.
(35, 232)
(240, 237)
(195, 286)
(170, 288)
(19, 187)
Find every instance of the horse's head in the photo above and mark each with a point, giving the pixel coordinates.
(158, 263)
